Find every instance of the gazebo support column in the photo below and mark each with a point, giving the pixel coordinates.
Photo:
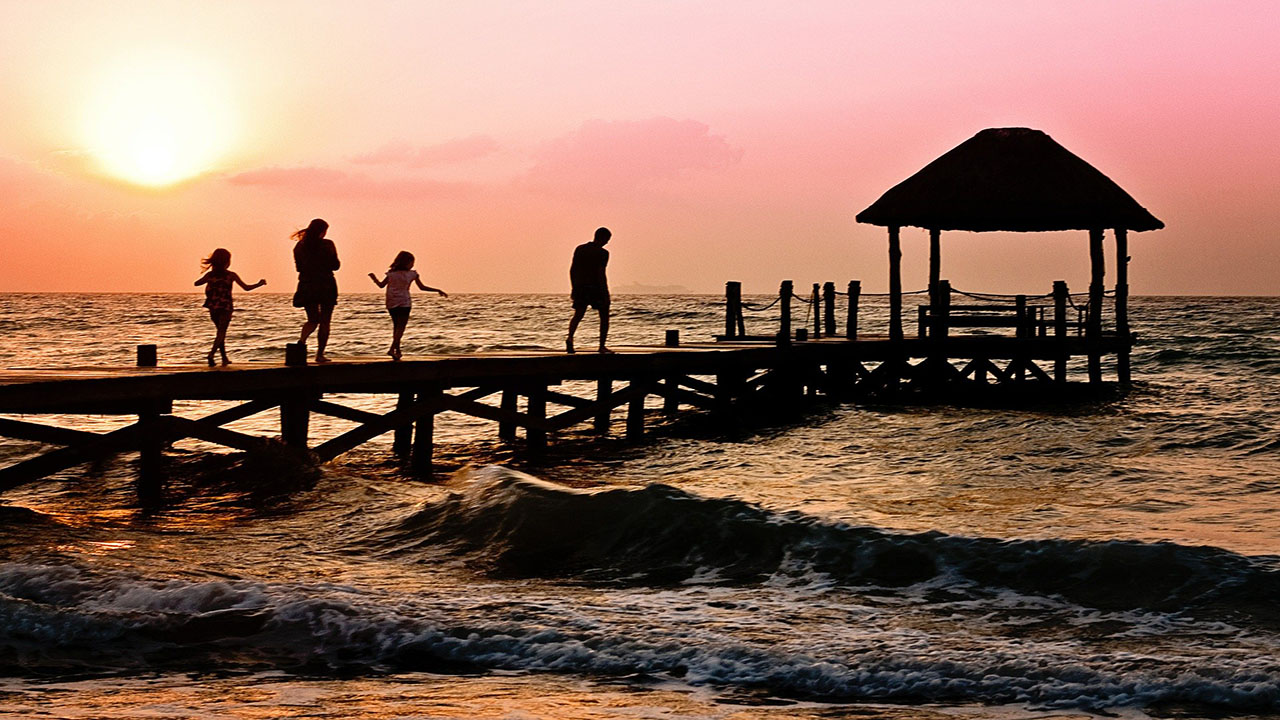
(935, 259)
(1093, 328)
(1122, 305)
(895, 284)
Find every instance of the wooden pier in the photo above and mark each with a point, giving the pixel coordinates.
(522, 393)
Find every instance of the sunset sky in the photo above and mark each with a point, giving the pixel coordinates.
(727, 140)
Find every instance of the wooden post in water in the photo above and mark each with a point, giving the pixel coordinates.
(604, 387)
(1060, 331)
(537, 411)
(510, 403)
(784, 322)
(732, 308)
(829, 308)
(895, 285)
(150, 458)
(424, 436)
(403, 433)
(1093, 327)
(851, 325)
(1122, 305)
(295, 421)
(635, 415)
(815, 303)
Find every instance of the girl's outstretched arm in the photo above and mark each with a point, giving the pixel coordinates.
(247, 288)
(428, 288)
(203, 279)
(376, 281)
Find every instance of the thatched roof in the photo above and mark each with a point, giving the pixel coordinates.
(1009, 179)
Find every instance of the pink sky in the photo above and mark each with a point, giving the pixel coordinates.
(719, 140)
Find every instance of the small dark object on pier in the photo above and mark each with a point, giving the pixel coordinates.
(147, 356)
(673, 338)
(295, 354)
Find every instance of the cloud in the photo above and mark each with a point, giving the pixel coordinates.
(331, 182)
(612, 156)
(460, 150)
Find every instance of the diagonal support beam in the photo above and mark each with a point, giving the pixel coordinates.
(239, 412)
(177, 428)
(122, 440)
(334, 447)
(22, 430)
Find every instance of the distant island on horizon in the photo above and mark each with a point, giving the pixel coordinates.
(642, 289)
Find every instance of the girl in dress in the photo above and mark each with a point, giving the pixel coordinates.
(397, 281)
(217, 297)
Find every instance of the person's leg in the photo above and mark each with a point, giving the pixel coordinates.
(222, 322)
(322, 333)
(604, 326)
(399, 321)
(578, 312)
(313, 320)
(218, 333)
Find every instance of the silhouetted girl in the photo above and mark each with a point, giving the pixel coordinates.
(217, 297)
(316, 257)
(397, 281)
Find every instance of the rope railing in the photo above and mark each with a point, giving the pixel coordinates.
(913, 292)
(759, 308)
(805, 300)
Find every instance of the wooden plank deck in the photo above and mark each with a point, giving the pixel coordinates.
(710, 376)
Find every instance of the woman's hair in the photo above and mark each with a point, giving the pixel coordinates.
(312, 232)
(403, 261)
(219, 259)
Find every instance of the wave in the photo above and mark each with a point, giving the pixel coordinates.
(511, 525)
(60, 619)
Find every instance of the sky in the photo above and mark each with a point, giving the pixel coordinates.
(719, 140)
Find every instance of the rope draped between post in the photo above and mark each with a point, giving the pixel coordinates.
(913, 292)
(998, 297)
(759, 308)
(805, 300)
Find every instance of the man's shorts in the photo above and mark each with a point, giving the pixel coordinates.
(597, 298)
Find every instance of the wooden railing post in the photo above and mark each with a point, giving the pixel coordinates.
(1093, 327)
(784, 323)
(1122, 305)
(147, 356)
(851, 325)
(829, 308)
(895, 284)
(1060, 330)
(732, 308)
(815, 302)
(1021, 332)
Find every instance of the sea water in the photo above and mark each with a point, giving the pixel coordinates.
(1094, 559)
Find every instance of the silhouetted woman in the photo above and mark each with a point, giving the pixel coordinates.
(316, 258)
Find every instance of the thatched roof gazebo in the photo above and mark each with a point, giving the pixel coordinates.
(1011, 179)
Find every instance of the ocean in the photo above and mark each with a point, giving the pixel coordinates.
(1098, 559)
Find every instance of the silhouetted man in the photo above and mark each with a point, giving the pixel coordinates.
(590, 287)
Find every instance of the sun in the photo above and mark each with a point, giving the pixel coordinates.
(157, 119)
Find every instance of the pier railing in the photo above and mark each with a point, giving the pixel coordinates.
(1056, 314)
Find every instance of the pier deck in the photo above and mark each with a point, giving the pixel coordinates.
(710, 377)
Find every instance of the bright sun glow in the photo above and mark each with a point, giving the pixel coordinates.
(157, 119)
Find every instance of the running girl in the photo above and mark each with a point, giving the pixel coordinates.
(217, 297)
(397, 281)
